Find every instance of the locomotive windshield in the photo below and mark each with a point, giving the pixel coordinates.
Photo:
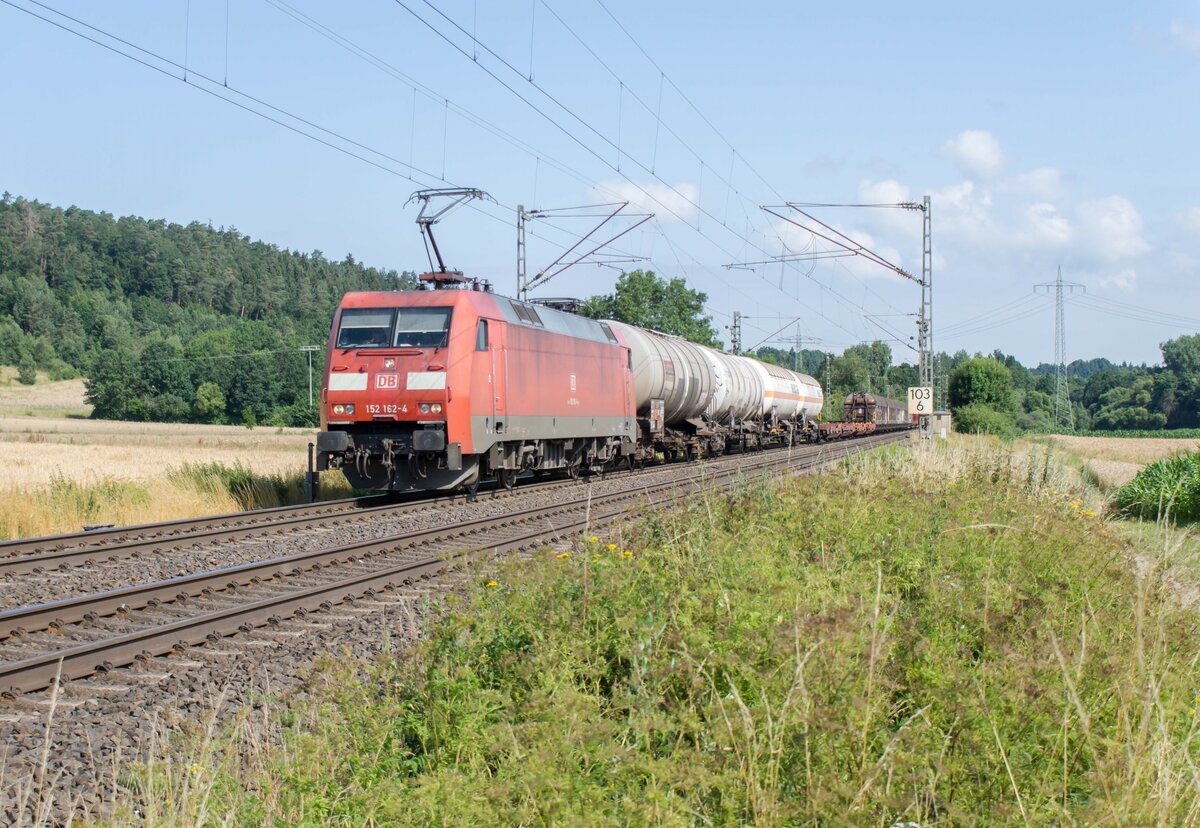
(422, 327)
(365, 328)
(394, 327)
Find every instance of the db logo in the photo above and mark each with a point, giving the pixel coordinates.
(387, 381)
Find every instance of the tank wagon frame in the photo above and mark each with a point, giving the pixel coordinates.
(438, 389)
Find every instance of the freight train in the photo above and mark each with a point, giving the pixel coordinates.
(865, 413)
(864, 407)
(436, 390)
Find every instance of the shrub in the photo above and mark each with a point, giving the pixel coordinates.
(1168, 488)
(980, 419)
(27, 371)
(982, 380)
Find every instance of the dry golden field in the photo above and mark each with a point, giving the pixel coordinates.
(62, 471)
(62, 399)
(39, 448)
(1115, 460)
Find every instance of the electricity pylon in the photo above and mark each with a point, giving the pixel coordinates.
(1064, 417)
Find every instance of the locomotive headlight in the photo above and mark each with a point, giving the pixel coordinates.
(339, 409)
(389, 363)
(424, 408)
(349, 408)
(436, 408)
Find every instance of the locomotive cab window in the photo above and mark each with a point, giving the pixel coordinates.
(422, 327)
(365, 328)
(481, 335)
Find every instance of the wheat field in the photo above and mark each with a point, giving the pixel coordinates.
(62, 471)
(1116, 460)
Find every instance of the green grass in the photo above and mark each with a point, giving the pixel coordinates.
(1168, 489)
(948, 642)
(251, 489)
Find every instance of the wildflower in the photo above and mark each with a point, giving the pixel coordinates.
(593, 539)
(611, 547)
(197, 768)
(595, 556)
(563, 555)
(491, 584)
(1089, 513)
(626, 554)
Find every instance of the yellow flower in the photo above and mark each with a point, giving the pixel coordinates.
(626, 554)
(491, 584)
(595, 556)
(563, 555)
(593, 539)
(611, 547)
(197, 768)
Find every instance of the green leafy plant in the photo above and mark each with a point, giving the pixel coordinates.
(1168, 489)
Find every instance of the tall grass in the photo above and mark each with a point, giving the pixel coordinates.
(946, 637)
(1168, 489)
(68, 504)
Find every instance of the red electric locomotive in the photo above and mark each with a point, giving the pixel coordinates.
(434, 389)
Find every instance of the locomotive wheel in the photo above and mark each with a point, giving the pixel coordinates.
(507, 478)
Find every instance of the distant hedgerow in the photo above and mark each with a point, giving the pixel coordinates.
(1168, 488)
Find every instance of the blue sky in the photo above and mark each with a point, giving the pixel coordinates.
(1047, 134)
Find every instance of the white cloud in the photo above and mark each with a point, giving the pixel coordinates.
(975, 151)
(1113, 228)
(1046, 225)
(1123, 280)
(882, 192)
(666, 202)
(1044, 181)
(964, 213)
(1186, 35)
(1190, 221)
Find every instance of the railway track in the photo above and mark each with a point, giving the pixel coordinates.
(50, 552)
(63, 551)
(79, 636)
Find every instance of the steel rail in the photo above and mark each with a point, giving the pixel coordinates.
(172, 529)
(41, 554)
(39, 671)
(55, 614)
(214, 528)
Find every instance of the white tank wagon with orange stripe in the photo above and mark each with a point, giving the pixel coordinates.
(698, 400)
(788, 395)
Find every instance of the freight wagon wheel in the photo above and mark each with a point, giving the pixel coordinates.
(507, 478)
(573, 469)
